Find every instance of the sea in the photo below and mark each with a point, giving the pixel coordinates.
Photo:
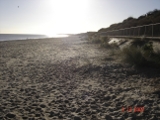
(9, 37)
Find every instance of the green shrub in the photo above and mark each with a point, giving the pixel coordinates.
(139, 42)
(147, 49)
(141, 54)
(114, 46)
(133, 55)
(156, 57)
(95, 39)
(104, 41)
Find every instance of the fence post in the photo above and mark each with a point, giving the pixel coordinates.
(152, 30)
(145, 31)
(139, 30)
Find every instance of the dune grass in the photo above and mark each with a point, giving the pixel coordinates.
(94, 39)
(102, 41)
(141, 53)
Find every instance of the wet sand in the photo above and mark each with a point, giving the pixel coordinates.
(71, 79)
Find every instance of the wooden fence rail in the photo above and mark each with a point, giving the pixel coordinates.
(151, 30)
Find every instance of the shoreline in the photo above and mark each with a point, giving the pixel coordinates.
(30, 37)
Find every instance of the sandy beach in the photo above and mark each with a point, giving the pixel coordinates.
(72, 79)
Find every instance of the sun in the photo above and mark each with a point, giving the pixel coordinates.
(66, 16)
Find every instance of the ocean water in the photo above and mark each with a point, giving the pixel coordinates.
(8, 37)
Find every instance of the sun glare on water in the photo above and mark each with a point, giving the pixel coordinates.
(55, 35)
(50, 34)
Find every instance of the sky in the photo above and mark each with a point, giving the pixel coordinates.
(51, 17)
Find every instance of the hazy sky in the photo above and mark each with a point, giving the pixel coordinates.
(68, 16)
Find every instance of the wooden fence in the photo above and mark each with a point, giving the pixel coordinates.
(151, 30)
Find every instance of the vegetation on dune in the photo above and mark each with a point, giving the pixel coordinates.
(141, 53)
(95, 39)
(102, 41)
(151, 17)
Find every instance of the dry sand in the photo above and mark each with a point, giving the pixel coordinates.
(71, 79)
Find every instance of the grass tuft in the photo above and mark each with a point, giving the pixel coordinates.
(102, 41)
(141, 54)
(133, 55)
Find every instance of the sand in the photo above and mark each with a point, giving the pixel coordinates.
(72, 79)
